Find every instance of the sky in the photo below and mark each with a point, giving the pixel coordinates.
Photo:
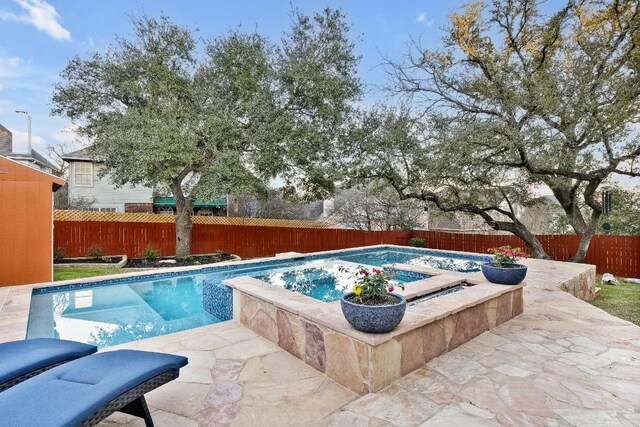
(38, 38)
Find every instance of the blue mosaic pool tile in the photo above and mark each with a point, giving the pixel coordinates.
(265, 264)
(217, 299)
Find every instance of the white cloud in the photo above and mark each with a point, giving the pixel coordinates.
(9, 66)
(422, 19)
(41, 15)
(21, 138)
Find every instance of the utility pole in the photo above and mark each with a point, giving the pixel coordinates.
(29, 133)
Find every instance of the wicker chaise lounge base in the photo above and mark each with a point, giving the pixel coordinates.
(87, 390)
(21, 360)
(131, 402)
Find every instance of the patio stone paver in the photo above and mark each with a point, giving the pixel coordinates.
(562, 362)
(235, 377)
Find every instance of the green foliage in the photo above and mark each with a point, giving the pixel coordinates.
(515, 99)
(150, 253)
(417, 242)
(625, 214)
(58, 254)
(218, 252)
(506, 255)
(370, 285)
(66, 273)
(95, 252)
(624, 218)
(622, 301)
(158, 112)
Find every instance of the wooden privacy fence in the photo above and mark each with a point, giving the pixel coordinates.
(619, 255)
(75, 238)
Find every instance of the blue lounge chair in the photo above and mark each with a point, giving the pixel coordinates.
(86, 391)
(20, 360)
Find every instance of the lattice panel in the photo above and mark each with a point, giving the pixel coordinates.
(66, 215)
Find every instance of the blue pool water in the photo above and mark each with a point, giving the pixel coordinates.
(324, 280)
(115, 311)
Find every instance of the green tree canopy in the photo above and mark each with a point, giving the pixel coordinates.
(513, 100)
(219, 116)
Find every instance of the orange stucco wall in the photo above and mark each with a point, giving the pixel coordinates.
(26, 224)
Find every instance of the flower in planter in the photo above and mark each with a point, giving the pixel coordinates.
(371, 286)
(503, 255)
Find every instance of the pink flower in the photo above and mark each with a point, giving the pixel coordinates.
(377, 270)
(391, 288)
(364, 272)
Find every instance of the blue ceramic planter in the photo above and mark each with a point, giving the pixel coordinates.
(504, 276)
(374, 319)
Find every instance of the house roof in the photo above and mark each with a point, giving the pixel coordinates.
(82, 155)
(33, 157)
(56, 181)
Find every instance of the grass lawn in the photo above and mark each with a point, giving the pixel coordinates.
(79, 273)
(622, 301)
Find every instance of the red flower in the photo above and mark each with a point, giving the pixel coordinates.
(391, 288)
(364, 272)
(377, 270)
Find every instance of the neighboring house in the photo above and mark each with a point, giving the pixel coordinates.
(26, 223)
(459, 222)
(102, 195)
(86, 184)
(541, 215)
(32, 158)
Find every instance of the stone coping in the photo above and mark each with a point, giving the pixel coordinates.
(195, 268)
(330, 314)
(15, 300)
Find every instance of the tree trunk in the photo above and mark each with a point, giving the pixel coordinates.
(184, 210)
(518, 229)
(583, 247)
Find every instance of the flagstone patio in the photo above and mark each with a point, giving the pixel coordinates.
(562, 362)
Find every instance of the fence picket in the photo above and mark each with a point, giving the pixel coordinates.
(619, 255)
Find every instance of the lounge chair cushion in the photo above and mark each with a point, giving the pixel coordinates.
(18, 358)
(67, 394)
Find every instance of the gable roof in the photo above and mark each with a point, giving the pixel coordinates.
(34, 157)
(56, 181)
(82, 155)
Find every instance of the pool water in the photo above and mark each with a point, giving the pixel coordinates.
(111, 312)
(410, 257)
(110, 315)
(325, 280)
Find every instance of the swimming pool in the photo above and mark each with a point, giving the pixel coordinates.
(324, 280)
(115, 311)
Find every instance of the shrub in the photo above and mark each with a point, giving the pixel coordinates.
(150, 253)
(218, 252)
(417, 242)
(505, 255)
(58, 254)
(95, 252)
(370, 285)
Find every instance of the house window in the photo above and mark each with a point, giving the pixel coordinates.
(83, 174)
(101, 209)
